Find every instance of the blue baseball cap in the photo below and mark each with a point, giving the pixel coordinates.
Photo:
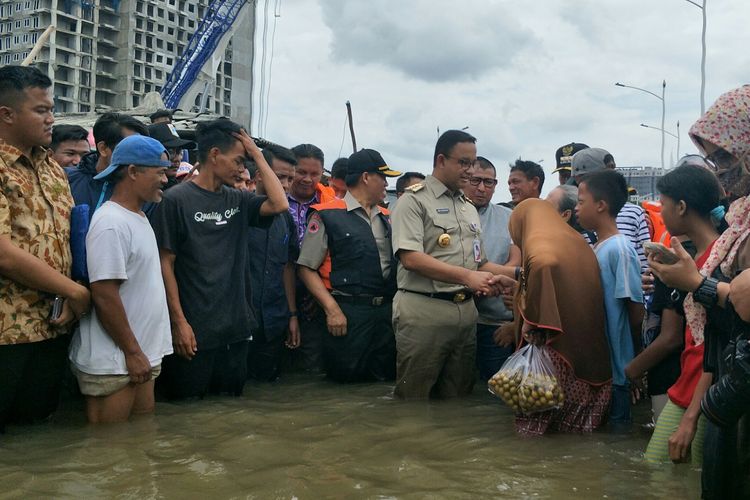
(139, 150)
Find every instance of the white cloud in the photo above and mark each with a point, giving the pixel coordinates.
(526, 77)
(423, 39)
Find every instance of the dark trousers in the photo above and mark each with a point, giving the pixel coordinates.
(367, 351)
(726, 464)
(264, 355)
(31, 376)
(308, 357)
(211, 371)
(490, 356)
(619, 410)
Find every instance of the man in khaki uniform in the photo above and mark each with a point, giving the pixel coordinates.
(442, 266)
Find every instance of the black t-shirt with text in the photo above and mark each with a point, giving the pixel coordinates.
(207, 232)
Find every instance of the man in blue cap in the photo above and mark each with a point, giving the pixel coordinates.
(117, 351)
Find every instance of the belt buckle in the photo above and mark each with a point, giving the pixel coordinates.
(459, 297)
(377, 301)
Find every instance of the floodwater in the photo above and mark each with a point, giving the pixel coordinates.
(307, 438)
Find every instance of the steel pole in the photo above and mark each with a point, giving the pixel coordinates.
(678, 139)
(663, 113)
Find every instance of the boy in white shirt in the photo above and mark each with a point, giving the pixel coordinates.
(116, 352)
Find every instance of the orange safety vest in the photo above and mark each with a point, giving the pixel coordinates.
(655, 222)
(325, 193)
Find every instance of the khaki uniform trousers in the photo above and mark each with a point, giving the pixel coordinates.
(436, 346)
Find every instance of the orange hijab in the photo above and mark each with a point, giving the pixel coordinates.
(561, 289)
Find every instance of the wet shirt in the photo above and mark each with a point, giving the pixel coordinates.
(208, 233)
(315, 244)
(497, 242)
(270, 250)
(35, 205)
(432, 219)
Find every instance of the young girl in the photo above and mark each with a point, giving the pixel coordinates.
(690, 197)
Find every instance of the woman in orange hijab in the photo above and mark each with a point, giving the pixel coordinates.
(560, 302)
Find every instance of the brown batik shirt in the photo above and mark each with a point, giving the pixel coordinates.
(35, 205)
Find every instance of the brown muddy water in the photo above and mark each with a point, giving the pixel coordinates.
(308, 439)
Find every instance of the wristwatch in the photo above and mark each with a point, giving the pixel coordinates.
(707, 294)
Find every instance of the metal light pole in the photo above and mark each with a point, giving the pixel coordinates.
(676, 136)
(663, 108)
(657, 128)
(703, 54)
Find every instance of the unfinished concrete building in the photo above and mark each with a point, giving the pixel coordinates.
(109, 53)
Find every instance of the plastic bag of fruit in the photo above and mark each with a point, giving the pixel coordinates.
(504, 384)
(527, 381)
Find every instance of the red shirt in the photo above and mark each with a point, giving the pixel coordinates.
(691, 360)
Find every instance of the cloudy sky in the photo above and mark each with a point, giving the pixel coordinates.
(525, 77)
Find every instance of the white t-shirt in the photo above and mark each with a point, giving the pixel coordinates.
(121, 245)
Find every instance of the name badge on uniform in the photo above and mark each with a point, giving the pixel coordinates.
(477, 251)
(442, 210)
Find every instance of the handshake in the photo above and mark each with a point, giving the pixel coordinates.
(484, 283)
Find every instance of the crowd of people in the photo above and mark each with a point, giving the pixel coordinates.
(188, 279)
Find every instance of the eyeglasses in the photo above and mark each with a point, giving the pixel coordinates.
(488, 183)
(464, 162)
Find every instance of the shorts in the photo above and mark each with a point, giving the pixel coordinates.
(105, 385)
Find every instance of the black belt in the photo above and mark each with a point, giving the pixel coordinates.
(364, 300)
(457, 297)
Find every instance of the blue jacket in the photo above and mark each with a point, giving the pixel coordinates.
(85, 189)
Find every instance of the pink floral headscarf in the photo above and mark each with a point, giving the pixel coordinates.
(727, 125)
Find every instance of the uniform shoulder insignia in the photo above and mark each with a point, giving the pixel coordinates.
(414, 188)
(468, 199)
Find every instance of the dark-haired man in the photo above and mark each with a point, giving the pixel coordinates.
(109, 130)
(69, 144)
(347, 264)
(201, 228)
(35, 258)
(273, 252)
(442, 265)
(406, 180)
(305, 191)
(525, 181)
(306, 188)
(499, 249)
(338, 177)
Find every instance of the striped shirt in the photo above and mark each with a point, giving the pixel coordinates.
(631, 223)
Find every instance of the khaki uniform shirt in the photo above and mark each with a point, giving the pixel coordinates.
(315, 244)
(425, 213)
(35, 205)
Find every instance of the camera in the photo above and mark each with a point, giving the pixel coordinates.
(727, 400)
